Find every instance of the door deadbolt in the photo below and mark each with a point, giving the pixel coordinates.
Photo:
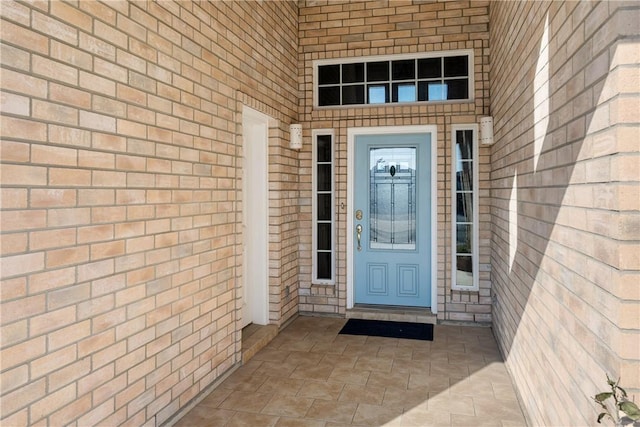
(359, 214)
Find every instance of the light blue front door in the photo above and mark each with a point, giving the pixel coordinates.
(392, 222)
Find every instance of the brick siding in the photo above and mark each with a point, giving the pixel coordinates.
(346, 29)
(121, 150)
(566, 126)
(121, 140)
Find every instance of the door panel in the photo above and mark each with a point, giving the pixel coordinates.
(377, 283)
(392, 256)
(255, 218)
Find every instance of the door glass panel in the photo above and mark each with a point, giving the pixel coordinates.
(324, 236)
(464, 176)
(324, 265)
(464, 145)
(324, 207)
(464, 206)
(464, 238)
(392, 202)
(324, 177)
(464, 270)
(324, 149)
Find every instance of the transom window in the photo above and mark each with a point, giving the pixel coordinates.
(431, 77)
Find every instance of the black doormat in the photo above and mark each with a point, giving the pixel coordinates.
(383, 328)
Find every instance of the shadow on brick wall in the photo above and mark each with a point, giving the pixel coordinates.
(554, 269)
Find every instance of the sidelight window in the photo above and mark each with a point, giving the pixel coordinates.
(464, 207)
(323, 203)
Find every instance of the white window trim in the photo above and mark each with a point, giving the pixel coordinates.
(314, 208)
(439, 54)
(475, 227)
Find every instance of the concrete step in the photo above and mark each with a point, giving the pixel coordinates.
(255, 338)
(392, 313)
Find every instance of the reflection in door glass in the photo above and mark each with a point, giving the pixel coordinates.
(392, 204)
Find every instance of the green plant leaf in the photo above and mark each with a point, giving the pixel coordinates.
(601, 416)
(601, 397)
(624, 393)
(631, 409)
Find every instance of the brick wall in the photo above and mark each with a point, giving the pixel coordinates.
(344, 29)
(121, 142)
(565, 201)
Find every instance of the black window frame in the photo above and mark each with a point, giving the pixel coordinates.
(448, 84)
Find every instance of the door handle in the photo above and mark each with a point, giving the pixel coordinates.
(359, 235)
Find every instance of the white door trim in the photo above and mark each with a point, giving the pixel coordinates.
(255, 211)
(351, 137)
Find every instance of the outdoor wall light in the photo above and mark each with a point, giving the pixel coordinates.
(295, 131)
(486, 130)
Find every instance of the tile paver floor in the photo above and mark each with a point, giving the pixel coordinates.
(309, 375)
